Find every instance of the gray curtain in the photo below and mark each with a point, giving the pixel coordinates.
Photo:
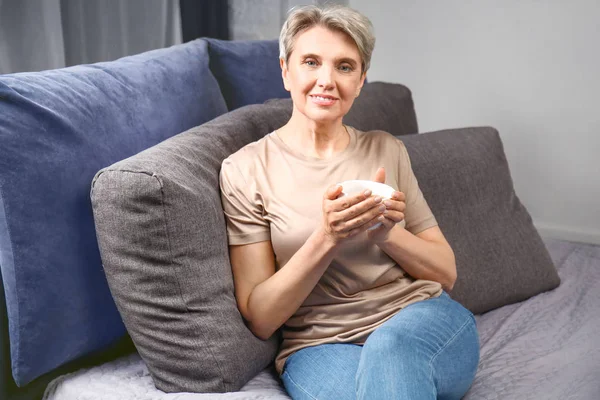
(45, 34)
(262, 19)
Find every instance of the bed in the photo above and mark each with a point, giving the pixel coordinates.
(547, 347)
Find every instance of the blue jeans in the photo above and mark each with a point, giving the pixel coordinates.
(428, 350)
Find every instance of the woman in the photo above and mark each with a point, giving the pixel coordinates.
(363, 312)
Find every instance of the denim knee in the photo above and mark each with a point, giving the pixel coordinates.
(394, 363)
(389, 340)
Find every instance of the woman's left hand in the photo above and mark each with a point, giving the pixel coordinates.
(393, 214)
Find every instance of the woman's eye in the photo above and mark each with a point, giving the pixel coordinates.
(311, 63)
(346, 68)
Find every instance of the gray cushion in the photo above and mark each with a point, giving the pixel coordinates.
(465, 178)
(163, 244)
(381, 105)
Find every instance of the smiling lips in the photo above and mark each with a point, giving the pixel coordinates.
(323, 99)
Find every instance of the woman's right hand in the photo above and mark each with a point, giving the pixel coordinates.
(347, 216)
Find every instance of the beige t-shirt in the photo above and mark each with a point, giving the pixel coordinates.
(273, 192)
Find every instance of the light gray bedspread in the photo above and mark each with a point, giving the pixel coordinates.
(547, 347)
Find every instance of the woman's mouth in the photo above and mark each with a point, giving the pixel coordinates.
(323, 100)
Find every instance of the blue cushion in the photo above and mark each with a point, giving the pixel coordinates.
(248, 71)
(57, 129)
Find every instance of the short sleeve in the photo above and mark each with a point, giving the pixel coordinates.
(417, 215)
(243, 214)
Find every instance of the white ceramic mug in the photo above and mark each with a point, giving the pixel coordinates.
(377, 189)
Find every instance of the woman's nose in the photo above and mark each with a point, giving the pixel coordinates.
(325, 78)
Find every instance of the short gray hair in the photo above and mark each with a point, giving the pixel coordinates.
(334, 17)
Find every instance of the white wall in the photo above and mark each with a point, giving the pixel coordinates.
(529, 68)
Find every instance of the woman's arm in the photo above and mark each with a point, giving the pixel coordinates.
(426, 255)
(267, 298)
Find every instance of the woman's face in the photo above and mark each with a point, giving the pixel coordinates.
(323, 74)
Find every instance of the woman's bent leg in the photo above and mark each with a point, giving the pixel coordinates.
(323, 372)
(429, 350)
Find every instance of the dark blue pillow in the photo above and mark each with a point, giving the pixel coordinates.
(57, 129)
(248, 71)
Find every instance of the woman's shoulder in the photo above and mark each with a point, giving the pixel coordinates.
(378, 137)
(249, 154)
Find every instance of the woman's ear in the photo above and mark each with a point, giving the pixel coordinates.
(362, 82)
(284, 73)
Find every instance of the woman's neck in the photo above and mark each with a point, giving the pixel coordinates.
(320, 140)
